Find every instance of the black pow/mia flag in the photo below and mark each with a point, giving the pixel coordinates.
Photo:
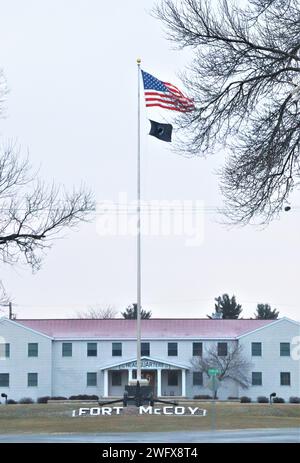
(161, 131)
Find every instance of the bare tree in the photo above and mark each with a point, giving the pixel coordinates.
(99, 312)
(245, 79)
(234, 366)
(33, 214)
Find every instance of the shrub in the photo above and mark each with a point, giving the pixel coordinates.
(203, 397)
(84, 397)
(26, 400)
(11, 402)
(278, 400)
(43, 400)
(232, 398)
(294, 400)
(262, 399)
(245, 400)
(58, 397)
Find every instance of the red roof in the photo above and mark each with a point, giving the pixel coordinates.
(154, 328)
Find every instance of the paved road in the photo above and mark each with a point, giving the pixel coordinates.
(282, 435)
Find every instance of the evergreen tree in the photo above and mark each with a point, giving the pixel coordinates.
(264, 312)
(130, 313)
(228, 307)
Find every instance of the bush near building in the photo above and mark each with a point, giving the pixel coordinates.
(43, 400)
(202, 397)
(83, 397)
(26, 400)
(245, 400)
(294, 400)
(262, 399)
(278, 400)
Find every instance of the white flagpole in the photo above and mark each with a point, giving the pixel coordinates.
(138, 319)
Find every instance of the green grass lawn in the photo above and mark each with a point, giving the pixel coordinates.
(56, 418)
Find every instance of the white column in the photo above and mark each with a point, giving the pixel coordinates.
(183, 383)
(158, 383)
(129, 375)
(105, 388)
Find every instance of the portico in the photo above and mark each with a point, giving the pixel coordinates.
(167, 378)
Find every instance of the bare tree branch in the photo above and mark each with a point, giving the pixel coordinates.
(245, 69)
(98, 312)
(31, 213)
(234, 366)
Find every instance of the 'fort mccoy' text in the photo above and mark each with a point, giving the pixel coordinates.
(143, 410)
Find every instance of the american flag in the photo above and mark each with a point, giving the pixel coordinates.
(165, 95)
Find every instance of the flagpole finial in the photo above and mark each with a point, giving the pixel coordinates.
(138, 60)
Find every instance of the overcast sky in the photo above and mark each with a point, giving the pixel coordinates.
(71, 70)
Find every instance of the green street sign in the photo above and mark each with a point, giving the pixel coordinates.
(213, 372)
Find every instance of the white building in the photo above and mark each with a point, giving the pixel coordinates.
(65, 357)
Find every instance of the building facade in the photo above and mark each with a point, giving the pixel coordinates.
(67, 357)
